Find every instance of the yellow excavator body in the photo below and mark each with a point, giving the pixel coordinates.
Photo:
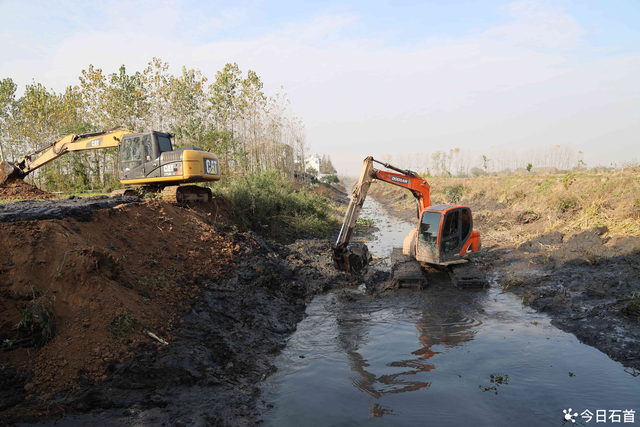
(145, 159)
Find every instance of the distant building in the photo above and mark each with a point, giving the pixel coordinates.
(313, 162)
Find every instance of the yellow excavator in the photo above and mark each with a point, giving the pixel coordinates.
(145, 159)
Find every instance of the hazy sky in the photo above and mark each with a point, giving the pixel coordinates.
(373, 77)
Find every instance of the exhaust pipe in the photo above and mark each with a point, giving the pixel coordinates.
(8, 171)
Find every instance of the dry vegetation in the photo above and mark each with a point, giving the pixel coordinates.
(512, 209)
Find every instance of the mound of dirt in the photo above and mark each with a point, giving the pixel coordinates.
(17, 189)
(104, 284)
(153, 307)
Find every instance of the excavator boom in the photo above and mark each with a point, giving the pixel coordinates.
(402, 178)
(73, 142)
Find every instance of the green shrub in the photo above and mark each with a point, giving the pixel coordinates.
(277, 207)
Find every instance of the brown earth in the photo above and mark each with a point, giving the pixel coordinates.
(71, 280)
(17, 189)
(82, 294)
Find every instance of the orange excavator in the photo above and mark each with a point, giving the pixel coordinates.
(442, 238)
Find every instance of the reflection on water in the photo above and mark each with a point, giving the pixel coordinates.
(420, 357)
(436, 334)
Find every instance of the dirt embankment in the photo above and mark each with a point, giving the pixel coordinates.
(149, 313)
(566, 245)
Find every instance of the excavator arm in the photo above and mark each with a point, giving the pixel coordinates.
(73, 142)
(401, 177)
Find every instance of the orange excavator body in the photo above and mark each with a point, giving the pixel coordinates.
(444, 233)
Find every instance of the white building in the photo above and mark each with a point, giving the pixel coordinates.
(313, 162)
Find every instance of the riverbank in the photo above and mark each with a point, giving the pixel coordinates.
(146, 312)
(577, 262)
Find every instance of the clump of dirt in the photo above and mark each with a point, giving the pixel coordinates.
(17, 189)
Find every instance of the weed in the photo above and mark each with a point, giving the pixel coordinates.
(566, 204)
(544, 186)
(362, 224)
(274, 206)
(528, 216)
(453, 193)
(8, 343)
(497, 380)
(122, 324)
(512, 282)
(568, 179)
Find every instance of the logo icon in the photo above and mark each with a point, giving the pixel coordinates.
(568, 416)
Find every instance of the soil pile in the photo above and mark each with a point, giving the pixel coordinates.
(17, 189)
(92, 290)
(148, 312)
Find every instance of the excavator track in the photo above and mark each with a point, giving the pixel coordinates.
(406, 270)
(467, 275)
(182, 194)
(408, 274)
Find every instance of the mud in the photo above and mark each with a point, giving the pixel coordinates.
(589, 282)
(225, 347)
(80, 209)
(223, 315)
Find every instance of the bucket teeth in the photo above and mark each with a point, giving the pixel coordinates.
(9, 171)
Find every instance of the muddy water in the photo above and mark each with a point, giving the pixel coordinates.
(425, 358)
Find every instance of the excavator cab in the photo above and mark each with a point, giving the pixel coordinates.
(140, 154)
(445, 232)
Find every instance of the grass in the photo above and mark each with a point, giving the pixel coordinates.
(278, 208)
(565, 202)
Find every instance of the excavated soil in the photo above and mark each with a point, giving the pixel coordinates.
(587, 281)
(17, 189)
(147, 312)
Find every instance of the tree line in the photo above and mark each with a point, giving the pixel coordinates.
(229, 115)
(498, 160)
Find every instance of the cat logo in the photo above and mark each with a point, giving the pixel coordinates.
(211, 166)
(400, 180)
(94, 143)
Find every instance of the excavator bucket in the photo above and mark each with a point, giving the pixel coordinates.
(9, 171)
(353, 259)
